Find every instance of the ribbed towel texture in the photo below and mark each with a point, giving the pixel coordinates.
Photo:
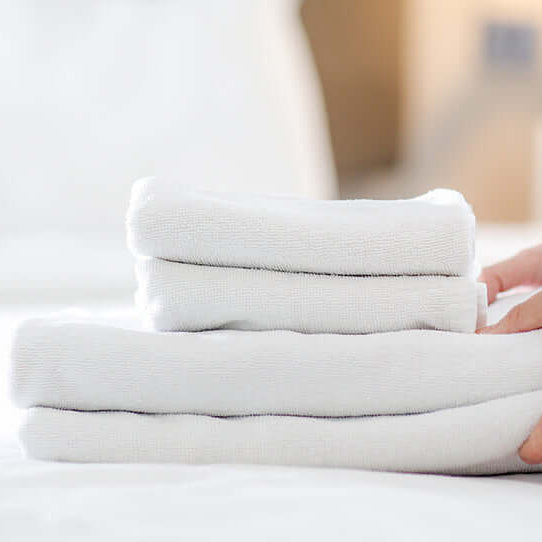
(429, 235)
(479, 439)
(304, 333)
(174, 296)
(414, 401)
(238, 261)
(82, 363)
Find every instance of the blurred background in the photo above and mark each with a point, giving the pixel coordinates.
(422, 93)
(319, 98)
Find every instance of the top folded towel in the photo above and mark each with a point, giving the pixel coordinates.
(429, 235)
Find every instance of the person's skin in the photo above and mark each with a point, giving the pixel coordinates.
(524, 269)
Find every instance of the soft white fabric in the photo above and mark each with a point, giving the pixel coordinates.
(432, 234)
(481, 439)
(45, 500)
(42, 500)
(184, 297)
(84, 363)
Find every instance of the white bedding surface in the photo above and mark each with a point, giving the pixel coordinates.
(259, 503)
(100, 502)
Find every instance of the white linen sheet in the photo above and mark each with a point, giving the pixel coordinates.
(182, 297)
(85, 362)
(480, 439)
(432, 234)
(77, 501)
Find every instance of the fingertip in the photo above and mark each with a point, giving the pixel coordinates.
(531, 450)
(530, 459)
(485, 274)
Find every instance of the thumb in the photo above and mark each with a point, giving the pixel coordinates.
(524, 317)
(531, 450)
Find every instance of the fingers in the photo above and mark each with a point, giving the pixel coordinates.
(531, 451)
(524, 317)
(493, 283)
(524, 269)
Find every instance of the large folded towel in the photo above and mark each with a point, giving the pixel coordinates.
(432, 234)
(84, 363)
(184, 297)
(481, 439)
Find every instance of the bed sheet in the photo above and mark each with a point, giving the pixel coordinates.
(102, 502)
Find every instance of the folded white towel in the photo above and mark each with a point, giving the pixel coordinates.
(432, 234)
(184, 297)
(481, 439)
(84, 364)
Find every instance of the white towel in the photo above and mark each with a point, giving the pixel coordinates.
(481, 439)
(430, 235)
(87, 364)
(183, 297)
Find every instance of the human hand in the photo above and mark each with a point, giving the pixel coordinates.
(524, 269)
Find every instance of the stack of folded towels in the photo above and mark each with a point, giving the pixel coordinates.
(286, 331)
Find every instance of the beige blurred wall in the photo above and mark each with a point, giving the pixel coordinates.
(441, 48)
(491, 151)
(356, 47)
(404, 80)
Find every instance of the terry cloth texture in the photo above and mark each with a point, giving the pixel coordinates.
(183, 297)
(88, 364)
(463, 403)
(429, 235)
(480, 439)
